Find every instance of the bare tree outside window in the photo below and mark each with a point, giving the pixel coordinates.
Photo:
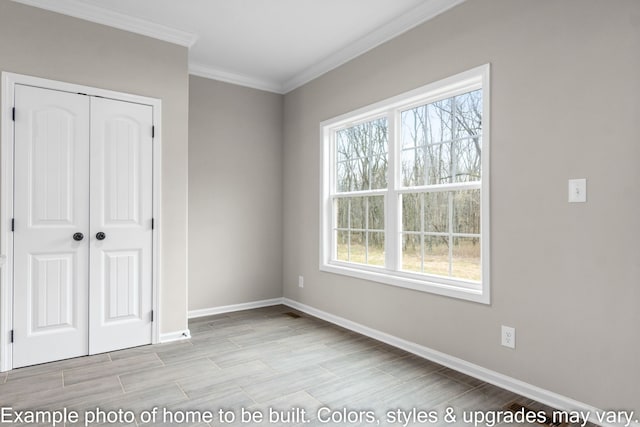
(405, 189)
(361, 165)
(441, 145)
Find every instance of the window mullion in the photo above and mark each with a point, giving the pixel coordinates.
(334, 229)
(450, 221)
(454, 145)
(391, 202)
(454, 172)
(349, 232)
(366, 230)
(423, 229)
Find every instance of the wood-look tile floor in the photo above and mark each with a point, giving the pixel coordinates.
(257, 360)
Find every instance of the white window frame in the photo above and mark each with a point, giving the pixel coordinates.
(391, 274)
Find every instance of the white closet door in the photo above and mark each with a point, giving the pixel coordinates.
(121, 209)
(51, 269)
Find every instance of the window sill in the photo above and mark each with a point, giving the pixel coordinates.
(409, 281)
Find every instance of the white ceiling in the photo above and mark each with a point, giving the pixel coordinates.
(274, 45)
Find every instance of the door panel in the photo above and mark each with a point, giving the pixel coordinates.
(121, 208)
(122, 284)
(122, 171)
(51, 269)
(51, 289)
(51, 150)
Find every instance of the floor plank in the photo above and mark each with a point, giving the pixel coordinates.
(260, 360)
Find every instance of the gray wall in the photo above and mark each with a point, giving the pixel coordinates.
(53, 46)
(564, 98)
(235, 194)
(564, 105)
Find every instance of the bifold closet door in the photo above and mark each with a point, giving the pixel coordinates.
(121, 230)
(82, 257)
(51, 206)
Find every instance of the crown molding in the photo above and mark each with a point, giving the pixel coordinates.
(205, 71)
(79, 9)
(411, 19)
(89, 12)
(401, 24)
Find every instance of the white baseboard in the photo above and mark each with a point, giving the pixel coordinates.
(530, 391)
(235, 307)
(175, 336)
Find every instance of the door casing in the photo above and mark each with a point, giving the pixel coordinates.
(9, 80)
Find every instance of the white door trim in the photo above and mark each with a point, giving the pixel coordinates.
(9, 81)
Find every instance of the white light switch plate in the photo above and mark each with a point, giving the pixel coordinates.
(577, 190)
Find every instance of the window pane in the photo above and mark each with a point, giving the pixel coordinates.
(469, 114)
(378, 135)
(376, 213)
(466, 258)
(428, 124)
(343, 149)
(358, 211)
(411, 253)
(411, 212)
(360, 170)
(343, 178)
(352, 175)
(342, 252)
(439, 121)
(413, 167)
(466, 212)
(430, 153)
(363, 178)
(375, 255)
(363, 240)
(436, 212)
(357, 247)
(439, 163)
(436, 255)
(366, 145)
(468, 167)
(342, 213)
(413, 127)
(352, 142)
(378, 142)
(378, 168)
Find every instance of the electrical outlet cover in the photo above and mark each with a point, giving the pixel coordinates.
(508, 336)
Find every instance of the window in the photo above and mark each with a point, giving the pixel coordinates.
(405, 189)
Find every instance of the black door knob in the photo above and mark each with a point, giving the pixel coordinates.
(78, 236)
(101, 236)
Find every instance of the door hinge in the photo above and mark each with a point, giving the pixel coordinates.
(12, 335)
(13, 114)
(153, 223)
(152, 315)
(153, 131)
(13, 224)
